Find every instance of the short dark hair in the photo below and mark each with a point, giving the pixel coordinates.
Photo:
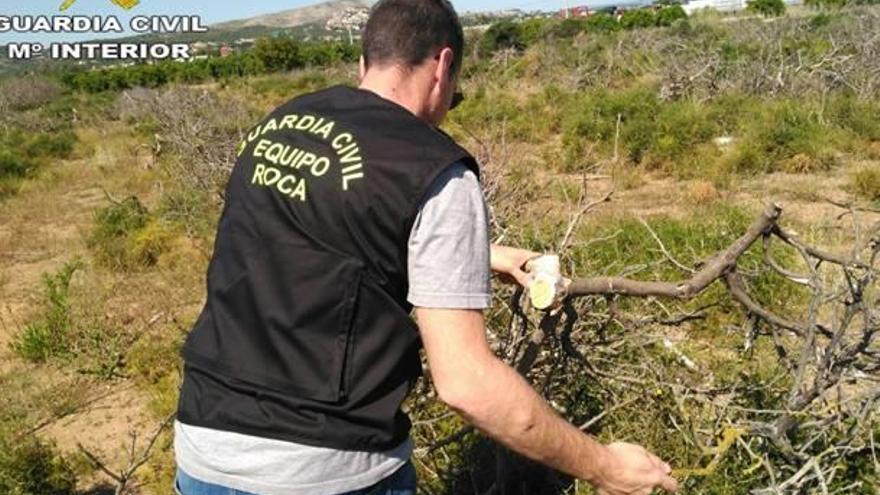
(407, 31)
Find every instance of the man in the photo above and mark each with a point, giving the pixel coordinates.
(346, 208)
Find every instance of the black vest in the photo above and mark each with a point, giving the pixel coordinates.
(306, 334)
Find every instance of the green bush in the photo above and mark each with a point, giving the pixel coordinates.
(500, 35)
(26, 147)
(602, 22)
(279, 53)
(856, 116)
(48, 336)
(666, 16)
(766, 8)
(638, 18)
(594, 118)
(125, 236)
(56, 145)
(533, 30)
(29, 466)
(325, 54)
(569, 28)
(14, 165)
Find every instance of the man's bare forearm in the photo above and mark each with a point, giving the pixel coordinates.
(506, 408)
(496, 399)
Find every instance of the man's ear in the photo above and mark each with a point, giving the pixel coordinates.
(445, 59)
(363, 67)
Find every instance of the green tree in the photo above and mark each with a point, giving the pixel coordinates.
(532, 30)
(669, 14)
(638, 18)
(501, 35)
(278, 53)
(602, 22)
(766, 8)
(569, 28)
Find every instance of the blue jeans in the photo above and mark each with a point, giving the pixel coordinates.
(402, 482)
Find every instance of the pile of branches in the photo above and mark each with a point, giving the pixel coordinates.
(792, 409)
(819, 435)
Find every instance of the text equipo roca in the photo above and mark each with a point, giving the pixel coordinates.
(284, 167)
(100, 24)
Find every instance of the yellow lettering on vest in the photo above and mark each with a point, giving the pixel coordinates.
(350, 154)
(271, 176)
(258, 174)
(306, 160)
(282, 184)
(300, 191)
(288, 121)
(347, 178)
(261, 147)
(325, 130)
(321, 166)
(342, 140)
(273, 154)
(272, 125)
(305, 122)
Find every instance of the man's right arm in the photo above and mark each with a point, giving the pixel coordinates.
(494, 398)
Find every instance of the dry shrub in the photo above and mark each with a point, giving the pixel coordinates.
(26, 92)
(800, 163)
(199, 127)
(626, 177)
(702, 192)
(866, 182)
(872, 150)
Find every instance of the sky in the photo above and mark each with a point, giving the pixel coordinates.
(212, 11)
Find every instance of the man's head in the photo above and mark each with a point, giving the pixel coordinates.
(412, 54)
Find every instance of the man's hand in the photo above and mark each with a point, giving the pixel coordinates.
(632, 470)
(508, 263)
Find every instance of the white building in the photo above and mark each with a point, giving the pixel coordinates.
(719, 5)
(723, 5)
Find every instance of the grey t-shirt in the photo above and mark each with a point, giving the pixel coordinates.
(448, 255)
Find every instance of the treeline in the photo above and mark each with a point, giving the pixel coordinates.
(268, 55)
(520, 35)
(832, 4)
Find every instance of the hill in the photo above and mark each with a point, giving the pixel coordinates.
(311, 14)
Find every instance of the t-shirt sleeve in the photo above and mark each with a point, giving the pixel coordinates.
(449, 244)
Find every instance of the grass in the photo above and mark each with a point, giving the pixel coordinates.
(48, 336)
(64, 333)
(865, 182)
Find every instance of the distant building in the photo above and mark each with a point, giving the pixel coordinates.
(723, 5)
(579, 11)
